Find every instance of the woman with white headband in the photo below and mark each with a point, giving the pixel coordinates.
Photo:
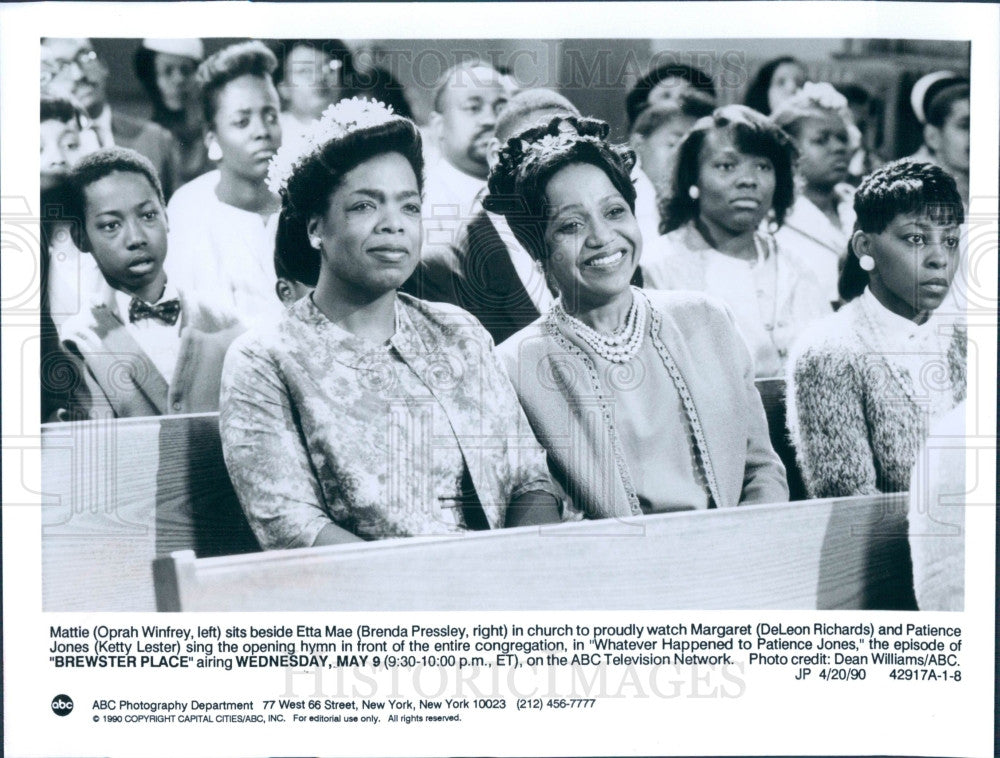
(940, 101)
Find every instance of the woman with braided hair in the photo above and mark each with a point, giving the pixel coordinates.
(865, 383)
(644, 400)
(363, 413)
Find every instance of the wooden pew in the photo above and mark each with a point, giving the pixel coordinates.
(119, 494)
(116, 494)
(772, 393)
(840, 553)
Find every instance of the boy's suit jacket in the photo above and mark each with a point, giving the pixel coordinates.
(119, 380)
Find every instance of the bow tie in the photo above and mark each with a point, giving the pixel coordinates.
(166, 312)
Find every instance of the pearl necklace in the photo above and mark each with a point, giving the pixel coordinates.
(618, 347)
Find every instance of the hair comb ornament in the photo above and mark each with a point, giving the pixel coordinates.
(538, 150)
(337, 121)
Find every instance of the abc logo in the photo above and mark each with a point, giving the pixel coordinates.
(62, 705)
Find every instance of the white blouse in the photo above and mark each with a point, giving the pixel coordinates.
(772, 298)
(817, 244)
(222, 254)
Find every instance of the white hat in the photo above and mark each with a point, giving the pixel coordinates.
(188, 48)
(918, 95)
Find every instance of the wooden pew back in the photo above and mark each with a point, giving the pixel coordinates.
(846, 553)
(118, 493)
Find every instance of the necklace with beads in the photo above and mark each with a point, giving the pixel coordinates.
(621, 345)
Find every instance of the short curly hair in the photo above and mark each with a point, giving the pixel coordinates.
(753, 134)
(900, 187)
(517, 183)
(93, 168)
(307, 192)
(215, 72)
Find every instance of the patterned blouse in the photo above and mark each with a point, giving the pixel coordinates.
(421, 435)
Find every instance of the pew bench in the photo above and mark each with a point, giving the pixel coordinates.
(119, 494)
(820, 554)
(116, 494)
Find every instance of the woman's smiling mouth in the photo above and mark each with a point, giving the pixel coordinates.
(607, 260)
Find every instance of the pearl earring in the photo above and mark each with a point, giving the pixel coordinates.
(693, 192)
(866, 262)
(214, 151)
(314, 242)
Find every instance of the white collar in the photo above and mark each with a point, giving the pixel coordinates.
(891, 325)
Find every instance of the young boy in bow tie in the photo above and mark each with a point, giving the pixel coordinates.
(145, 349)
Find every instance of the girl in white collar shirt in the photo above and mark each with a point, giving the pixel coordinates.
(866, 382)
(818, 226)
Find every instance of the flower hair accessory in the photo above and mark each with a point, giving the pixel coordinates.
(337, 122)
(538, 150)
(820, 95)
(824, 95)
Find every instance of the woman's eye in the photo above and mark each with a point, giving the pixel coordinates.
(364, 205)
(765, 166)
(951, 242)
(412, 208)
(569, 227)
(109, 226)
(270, 118)
(151, 215)
(725, 165)
(242, 123)
(915, 239)
(615, 211)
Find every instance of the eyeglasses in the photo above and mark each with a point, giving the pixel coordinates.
(85, 60)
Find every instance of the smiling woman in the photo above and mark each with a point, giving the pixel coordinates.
(364, 414)
(644, 400)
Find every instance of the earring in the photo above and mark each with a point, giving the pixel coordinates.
(315, 243)
(772, 222)
(866, 262)
(693, 192)
(214, 151)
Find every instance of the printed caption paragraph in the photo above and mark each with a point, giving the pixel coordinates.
(492, 667)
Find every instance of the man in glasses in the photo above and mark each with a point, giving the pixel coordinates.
(71, 68)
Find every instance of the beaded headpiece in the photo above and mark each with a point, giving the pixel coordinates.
(536, 151)
(337, 122)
